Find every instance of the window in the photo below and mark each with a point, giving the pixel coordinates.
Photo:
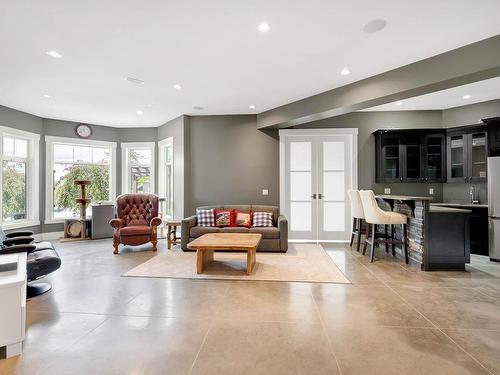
(166, 176)
(138, 171)
(73, 159)
(19, 178)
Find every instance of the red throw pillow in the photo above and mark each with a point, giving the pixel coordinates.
(243, 219)
(224, 218)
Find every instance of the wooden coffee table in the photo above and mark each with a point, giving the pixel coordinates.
(206, 244)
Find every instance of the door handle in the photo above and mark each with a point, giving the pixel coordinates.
(320, 196)
(313, 196)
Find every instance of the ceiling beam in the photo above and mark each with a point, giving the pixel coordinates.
(471, 63)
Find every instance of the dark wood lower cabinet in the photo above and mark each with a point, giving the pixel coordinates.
(479, 231)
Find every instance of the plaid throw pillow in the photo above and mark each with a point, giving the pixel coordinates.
(262, 219)
(205, 218)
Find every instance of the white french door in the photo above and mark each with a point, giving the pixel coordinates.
(317, 167)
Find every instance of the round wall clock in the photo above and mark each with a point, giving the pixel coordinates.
(83, 130)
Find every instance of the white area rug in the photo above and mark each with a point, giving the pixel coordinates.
(302, 262)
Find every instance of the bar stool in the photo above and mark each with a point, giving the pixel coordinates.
(358, 217)
(374, 216)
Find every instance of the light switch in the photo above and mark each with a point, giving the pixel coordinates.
(265, 192)
(431, 191)
(387, 191)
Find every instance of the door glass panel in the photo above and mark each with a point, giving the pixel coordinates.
(333, 186)
(334, 216)
(300, 216)
(300, 156)
(434, 154)
(478, 155)
(333, 156)
(300, 186)
(457, 156)
(413, 157)
(390, 151)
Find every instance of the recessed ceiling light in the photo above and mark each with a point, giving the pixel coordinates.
(47, 96)
(251, 106)
(137, 81)
(264, 27)
(55, 54)
(345, 71)
(374, 26)
(139, 112)
(198, 107)
(466, 96)
(399, 103)
(177, 86)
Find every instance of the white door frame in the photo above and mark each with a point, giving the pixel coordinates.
(162, 161)
(351, 133)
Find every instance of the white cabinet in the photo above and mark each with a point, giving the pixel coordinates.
(13, 306)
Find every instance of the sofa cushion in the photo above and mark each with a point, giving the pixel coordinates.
(272, 209)
(200, 231)
(234, 230)
(267, 232)
(262, 219)
(135, 230)
(242, 219)
(224, 218)
(205, 217)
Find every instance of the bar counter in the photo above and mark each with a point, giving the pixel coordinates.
(438, 237)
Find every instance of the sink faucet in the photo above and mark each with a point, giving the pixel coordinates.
(471, 193)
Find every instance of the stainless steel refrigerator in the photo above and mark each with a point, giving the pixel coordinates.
(494, 207)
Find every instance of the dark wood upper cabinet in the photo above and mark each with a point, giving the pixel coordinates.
(493, 135)
(410, 156)
(467, 154)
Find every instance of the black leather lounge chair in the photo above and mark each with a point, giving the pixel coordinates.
(42, 258)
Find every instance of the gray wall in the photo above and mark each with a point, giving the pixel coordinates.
(367, 123)
(232, 161)
(470, 114)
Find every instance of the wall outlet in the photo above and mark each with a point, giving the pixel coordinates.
(387, 191)
(265, 192)
(431, 191)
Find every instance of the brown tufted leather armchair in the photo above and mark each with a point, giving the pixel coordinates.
(137, 220)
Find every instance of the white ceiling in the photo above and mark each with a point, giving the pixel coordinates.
(213, 49)
(476, 92)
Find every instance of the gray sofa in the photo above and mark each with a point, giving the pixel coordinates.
(273, 238)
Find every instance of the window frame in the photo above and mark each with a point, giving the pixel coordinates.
(32, 177)
(162, 163)
(126, 176)
(49, 182)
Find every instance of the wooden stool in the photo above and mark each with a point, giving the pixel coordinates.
(172, 233)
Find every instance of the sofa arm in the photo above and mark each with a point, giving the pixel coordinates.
(155, 222)
(116, 223)
(186, 226)
(283, 228)
(18, 249)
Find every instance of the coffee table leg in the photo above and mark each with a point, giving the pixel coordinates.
(203, 257)
(199, 261)
(250, 261)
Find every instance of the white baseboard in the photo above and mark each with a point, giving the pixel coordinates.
(48, 236)
(320, 241)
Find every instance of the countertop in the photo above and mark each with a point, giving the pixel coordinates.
(460, 205)
(403, 197)
(448, 210)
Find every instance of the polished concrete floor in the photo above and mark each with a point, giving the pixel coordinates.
(392, 319)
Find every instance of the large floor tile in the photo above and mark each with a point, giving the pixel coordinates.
(454, 307)
(356, 305)
(133, 345)
(47, 335)
(484, 345)
(269, 301)
(265, 348)
(388, 351)
(197, 299)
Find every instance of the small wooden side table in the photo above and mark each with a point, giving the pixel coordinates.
(172, 233)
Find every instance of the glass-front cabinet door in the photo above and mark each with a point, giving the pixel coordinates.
(391, 160)
(457, 157)
(434, 158)
(478, 157)
(412, 158)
